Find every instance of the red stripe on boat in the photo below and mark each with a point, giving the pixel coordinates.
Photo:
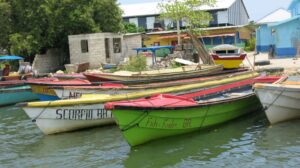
(185, 100)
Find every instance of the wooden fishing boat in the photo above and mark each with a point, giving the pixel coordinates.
(41, 87)
(15, 94)
(72, 114)
(71, 92)
(228, 55)
(184, 72)
(281, 99)
(69, 76)
(163, 115)
(11, 83)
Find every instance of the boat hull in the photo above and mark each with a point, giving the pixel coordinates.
(141, 126)
(190, 72)
(44, 92)
(51, 120)
(229, 62)
(280, 103)
(17, 94)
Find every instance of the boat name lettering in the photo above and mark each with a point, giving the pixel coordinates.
(166, 123)
(45, 90)
(74, 95)
(152, 122)
(169, 123)
(187, 123)
(82, 114)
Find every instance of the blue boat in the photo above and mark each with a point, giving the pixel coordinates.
(16, 94)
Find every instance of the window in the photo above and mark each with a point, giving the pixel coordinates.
(107, 53)
(150, 22)
(156, 44)
(134, 21)
(84, 46)
(117, 45)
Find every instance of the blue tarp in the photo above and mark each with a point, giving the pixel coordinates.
(153, 48)
(10, 57)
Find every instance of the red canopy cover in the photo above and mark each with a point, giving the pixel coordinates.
(161, 100)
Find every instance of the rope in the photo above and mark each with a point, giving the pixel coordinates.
(35, 118)
(267, 107)
(204, 117)
(135, 122)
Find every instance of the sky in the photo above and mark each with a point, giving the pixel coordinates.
(257, 9)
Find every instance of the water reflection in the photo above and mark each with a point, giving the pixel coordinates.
(200, 147)
(246, 142)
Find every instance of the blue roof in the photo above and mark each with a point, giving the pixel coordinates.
(10, 57)
(285, 21)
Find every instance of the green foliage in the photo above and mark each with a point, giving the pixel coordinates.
(186, 10)
(162, 52)
(131, 28)
(136, 64)
(5, 22)
(36, 26)
(250, 44)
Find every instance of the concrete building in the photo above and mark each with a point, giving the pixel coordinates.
(264, 37)
(212, 36)
(224, 12)
(100, 48)
(286, 34)
(283, 36)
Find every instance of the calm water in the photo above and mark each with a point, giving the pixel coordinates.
(246, 142)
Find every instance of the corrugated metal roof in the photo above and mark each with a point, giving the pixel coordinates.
(276, 16)
(145, 9)
(204, 29)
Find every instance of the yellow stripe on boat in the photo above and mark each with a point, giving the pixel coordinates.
(42, 89)
(89, 99)
(229, 64)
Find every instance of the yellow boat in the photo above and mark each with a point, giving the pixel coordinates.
(229, 56)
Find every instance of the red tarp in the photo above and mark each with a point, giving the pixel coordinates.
(185, 100)
(55, 81)
(161, 100)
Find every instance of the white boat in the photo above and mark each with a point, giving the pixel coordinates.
(281, 99)
(58, 119)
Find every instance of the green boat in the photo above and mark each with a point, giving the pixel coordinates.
(16, 94)
(148, 119)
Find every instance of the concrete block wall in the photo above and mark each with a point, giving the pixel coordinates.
(52, 61)
(130, 42)
(96, 48)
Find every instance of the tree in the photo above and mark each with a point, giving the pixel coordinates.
(39, 25)
(131, 28)
(5, 22)
(189, 12)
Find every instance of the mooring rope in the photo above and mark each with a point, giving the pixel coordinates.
(267, 107)
(35, 118)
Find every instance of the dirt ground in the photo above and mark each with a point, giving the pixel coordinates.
(290, 65)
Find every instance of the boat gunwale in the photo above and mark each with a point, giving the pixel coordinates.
(151, 86)
(198, 105)
(110, 76)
